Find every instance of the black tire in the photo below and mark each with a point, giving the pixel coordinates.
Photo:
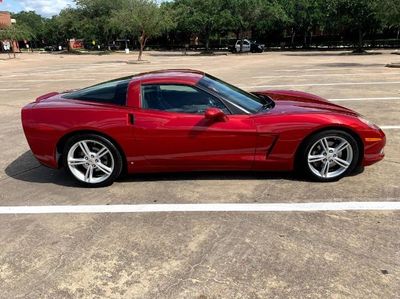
(113, 150)
(303, 166)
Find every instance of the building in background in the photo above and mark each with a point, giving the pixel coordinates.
(6, 21)
(76, 44)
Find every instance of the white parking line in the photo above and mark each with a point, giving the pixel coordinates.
(93, 70)
(389, 127)
(54, 80)
(82, 74)
(365, 99)
(58, 80)
(324, 75)
(325, 69)
(324, 84)
(216, 207)
(13, 89)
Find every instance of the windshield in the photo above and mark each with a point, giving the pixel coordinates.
(245, 101)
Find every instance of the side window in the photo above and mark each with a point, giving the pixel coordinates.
(178, 98)
(112, 92)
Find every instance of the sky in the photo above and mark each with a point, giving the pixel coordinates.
(46, 8)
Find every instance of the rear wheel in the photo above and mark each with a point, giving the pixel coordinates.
(92, 160)
(329, 155)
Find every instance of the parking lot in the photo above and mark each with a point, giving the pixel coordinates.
(335, 254)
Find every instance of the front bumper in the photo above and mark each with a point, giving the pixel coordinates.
(374, 148)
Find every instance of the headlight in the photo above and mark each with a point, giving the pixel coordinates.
(368, 123)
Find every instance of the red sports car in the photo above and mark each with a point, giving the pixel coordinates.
(185, 120)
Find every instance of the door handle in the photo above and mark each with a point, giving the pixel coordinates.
(131, 118)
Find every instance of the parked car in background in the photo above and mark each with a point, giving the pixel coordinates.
(256, 47)
(53, 48)
(248, 46)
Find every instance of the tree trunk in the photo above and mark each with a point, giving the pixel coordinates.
(207, 37)
(305, 39)
(311, 39)
(292, 38)
(13, 48)
(68, 46)
(360, 41)
(143, 39)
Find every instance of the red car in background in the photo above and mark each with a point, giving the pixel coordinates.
(185, 120)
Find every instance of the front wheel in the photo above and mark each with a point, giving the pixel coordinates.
(329, 155)
(92, 160)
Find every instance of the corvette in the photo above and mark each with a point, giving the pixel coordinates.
(186, 120)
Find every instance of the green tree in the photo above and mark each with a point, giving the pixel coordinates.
(259, 15)
(52, 32)
(272, 15)
(97, 15)
(273, 19)
(70, 24)
(243, 15)
(303, 16)
(34, 22)
(15, 33)
(357, 17)
(203, 17)
(142, 18)
(389, 13)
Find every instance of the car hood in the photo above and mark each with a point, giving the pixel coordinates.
(289, 102)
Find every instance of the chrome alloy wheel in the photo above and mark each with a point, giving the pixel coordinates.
(330, 156)
(90, 161)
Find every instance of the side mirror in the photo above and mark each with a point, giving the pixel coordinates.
(215, 114)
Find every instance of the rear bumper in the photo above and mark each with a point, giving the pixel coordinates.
(40, 137)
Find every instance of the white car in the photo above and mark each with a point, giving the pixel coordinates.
(248, 46)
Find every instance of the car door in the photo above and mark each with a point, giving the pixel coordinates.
(172, 132)
(237, 46)
(246, 46)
